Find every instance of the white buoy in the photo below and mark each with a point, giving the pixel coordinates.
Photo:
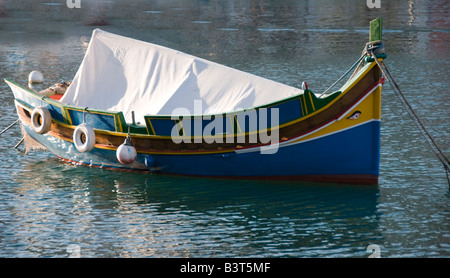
(35, 77)
(126, 153)
(35, 80)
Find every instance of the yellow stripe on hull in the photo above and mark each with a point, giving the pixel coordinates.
(369, 107)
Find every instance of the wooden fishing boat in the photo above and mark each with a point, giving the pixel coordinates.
(137, 106)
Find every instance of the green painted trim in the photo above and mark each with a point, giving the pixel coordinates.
(371, 59)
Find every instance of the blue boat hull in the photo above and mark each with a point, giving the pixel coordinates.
(351, 155)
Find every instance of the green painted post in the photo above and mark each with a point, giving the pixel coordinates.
(375, 30)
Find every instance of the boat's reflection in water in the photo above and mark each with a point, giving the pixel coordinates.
(132, 214)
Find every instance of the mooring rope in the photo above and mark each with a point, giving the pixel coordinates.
(345, 74)
(376, 47)
(396, 88)
(20, 142)
(11, 125)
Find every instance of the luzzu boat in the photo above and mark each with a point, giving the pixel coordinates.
(138, 106)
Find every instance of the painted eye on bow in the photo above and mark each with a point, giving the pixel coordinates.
(355, 115)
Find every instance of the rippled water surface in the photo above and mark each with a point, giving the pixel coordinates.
(52, 209)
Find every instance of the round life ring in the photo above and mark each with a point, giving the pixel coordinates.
(84, 138)
(41, 120)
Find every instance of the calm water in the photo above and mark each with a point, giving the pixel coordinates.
(52, 209)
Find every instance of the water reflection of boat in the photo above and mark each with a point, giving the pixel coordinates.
(137, 106)
(160, 193)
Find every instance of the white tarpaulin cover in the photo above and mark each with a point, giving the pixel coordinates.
(123, 74)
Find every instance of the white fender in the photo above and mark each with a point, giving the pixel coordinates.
(41, 120)
(84, 138)
(126, 153)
